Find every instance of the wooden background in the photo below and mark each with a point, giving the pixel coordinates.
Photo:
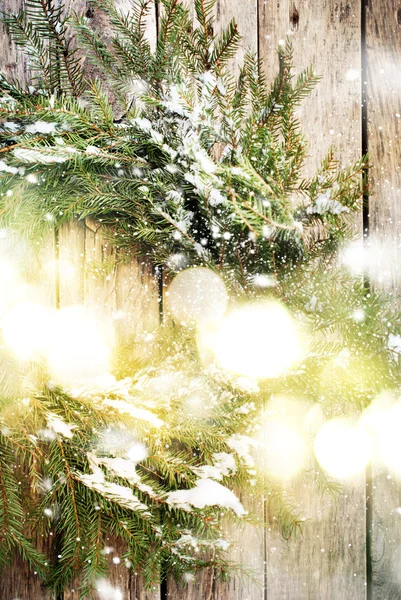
(351, 545)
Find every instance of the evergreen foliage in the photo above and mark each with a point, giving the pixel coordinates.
(190, 166)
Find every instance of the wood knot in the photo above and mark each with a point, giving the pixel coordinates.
(90, 12)
(294, 17)
(399, 16)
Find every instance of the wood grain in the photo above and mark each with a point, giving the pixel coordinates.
(383, 95)
(328, 560)
(250, 553)
(247, 551)
(246, 16)
(12, 63)
(326, 34)
(17, 582)
(70, 263)
(383, 83)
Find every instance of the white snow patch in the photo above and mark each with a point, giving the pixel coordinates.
(113, 491)
(223, 465)
(394, 342)
(323, 204)
(242, 444)
(41, 127)
(93, 150)
(58, 425)
(7, 169)
(30, 155)
(137, 413)
(206, 493)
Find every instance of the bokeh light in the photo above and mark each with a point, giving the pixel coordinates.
(283, 449)
(77, 349)
(342, 448)
(257, 340)
(74, 344)
(9, 278)
(197, 295)
(382, 420)
(25, 329)
(283, 437)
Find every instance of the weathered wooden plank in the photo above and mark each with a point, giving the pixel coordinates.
(328, 560)
(100, 272)
(12, 63)
(17, 582)
(137, 301)
(246, 16)
(247, 551)
(383, 96)
(121, 578)
(70, 263)
(325, 33)
(248, 546)
(383, 40)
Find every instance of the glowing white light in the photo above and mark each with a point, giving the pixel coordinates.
(77, 350)
(9, 278)
(257, 340)
(314, 419)
(61, 266)
(197, 295)
(107, 591)
(354, 256)
(342, 448)
(358, 315)
(25, 329)
(283, 448)
(375, 258)
(390, 440)
(263, 281)
(352, 74)
(383, 420)
(137, 452)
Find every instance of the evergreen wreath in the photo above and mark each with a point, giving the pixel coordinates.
(191, 167)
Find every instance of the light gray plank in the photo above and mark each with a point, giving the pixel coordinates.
(328, 560)
(326, 34)
(383, 92)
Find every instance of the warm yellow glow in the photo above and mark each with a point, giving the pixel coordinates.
(9, 280)
(257, 340)
(197, 295)
(374, 258)
(64, 267)
(390, 440)
(25, 329)
(355, 256)
(342, 448)
(283, 448)
(77, 349)
(383, 421)
(73, 343)
(314, 419)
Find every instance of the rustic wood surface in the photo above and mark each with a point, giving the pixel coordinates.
(328, 560)
(89, 273)
(383, 98)
(249, 553)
